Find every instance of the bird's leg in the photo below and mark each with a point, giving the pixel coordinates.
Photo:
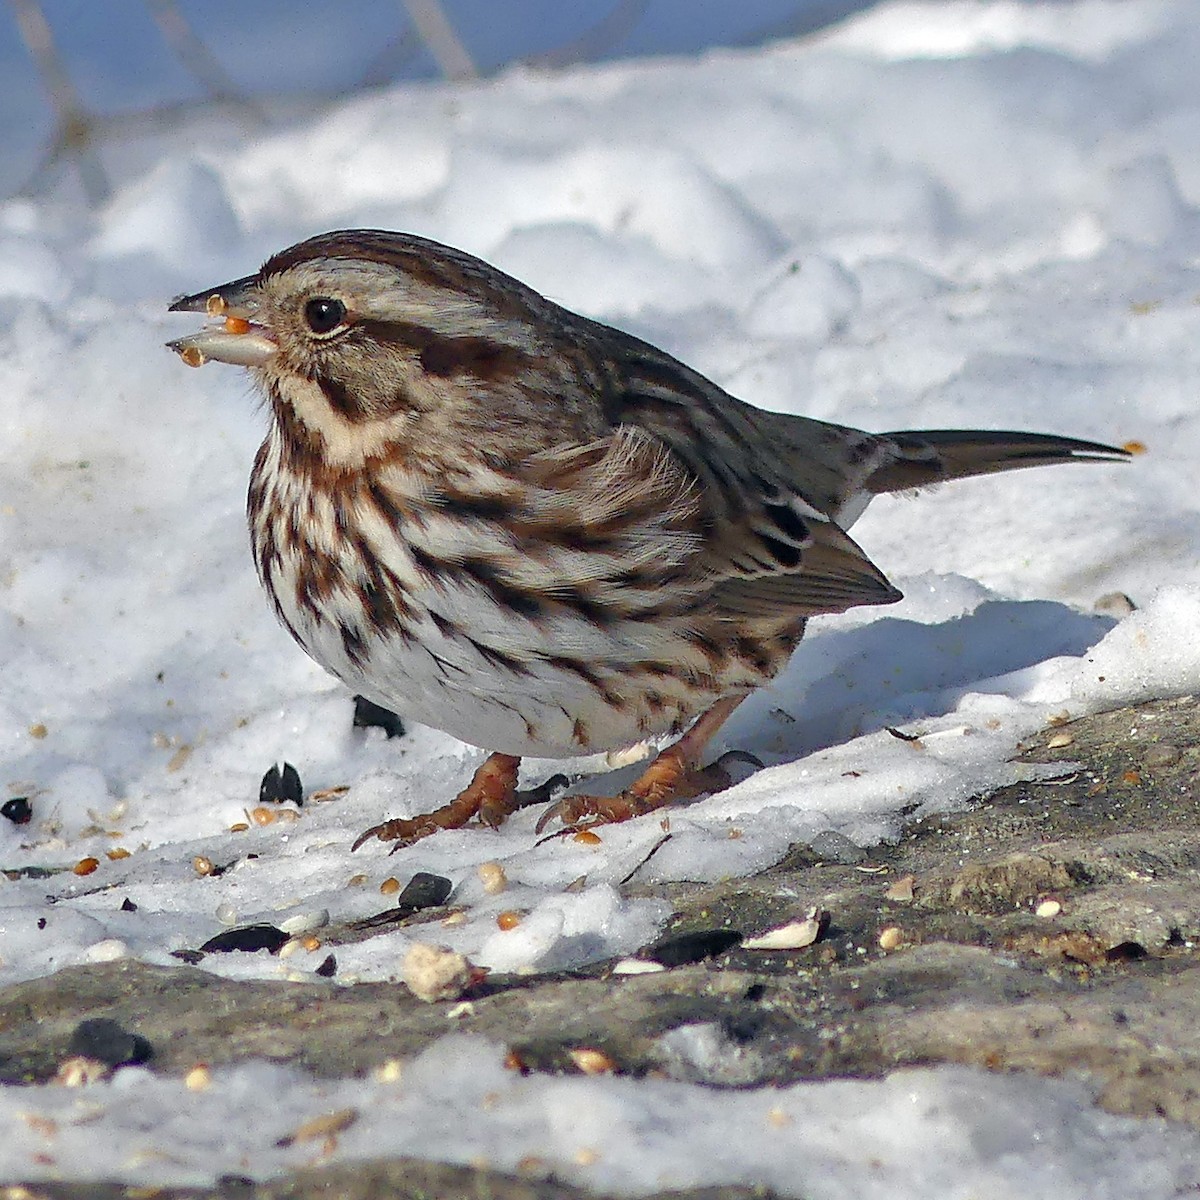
(491, 795)
(674, 774)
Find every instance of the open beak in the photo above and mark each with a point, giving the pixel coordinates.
(237, 339)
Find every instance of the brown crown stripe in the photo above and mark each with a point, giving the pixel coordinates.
(429, 263)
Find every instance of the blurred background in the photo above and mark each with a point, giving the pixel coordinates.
(81, 76)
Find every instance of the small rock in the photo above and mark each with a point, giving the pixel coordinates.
(837, 848)
(247, 938)
(424, 890)
(105, 1041)
(1162, 755)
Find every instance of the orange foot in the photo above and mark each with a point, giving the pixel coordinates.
(491, 795)
(667, 779)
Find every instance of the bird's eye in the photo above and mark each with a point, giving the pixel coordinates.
(322, 314)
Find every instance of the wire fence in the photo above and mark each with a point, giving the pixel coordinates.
(426, 31)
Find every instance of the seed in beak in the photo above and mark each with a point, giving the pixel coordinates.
(215, 305)
(192, 356)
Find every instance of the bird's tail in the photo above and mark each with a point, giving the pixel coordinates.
(925, 456)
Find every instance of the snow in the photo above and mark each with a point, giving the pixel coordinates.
(979, 213)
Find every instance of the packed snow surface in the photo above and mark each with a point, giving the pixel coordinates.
(968, 214)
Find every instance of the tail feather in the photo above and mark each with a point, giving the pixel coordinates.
(926, 456)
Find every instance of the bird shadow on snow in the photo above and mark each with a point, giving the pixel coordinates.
(841, 684)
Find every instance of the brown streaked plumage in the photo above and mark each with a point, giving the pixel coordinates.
(536, 532)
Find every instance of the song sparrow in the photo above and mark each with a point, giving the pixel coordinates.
(533, 531)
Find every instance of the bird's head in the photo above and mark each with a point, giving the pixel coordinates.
(356, 331)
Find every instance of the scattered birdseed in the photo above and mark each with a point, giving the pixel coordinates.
(901, 890)
(585, 1156)
(329, 793)
(435, 972)
(79, 1072)
(311, 943)
(455, 918)
(391, 1070)
(179, 757)
(199, 1078)
(203, 865)
(324, 1126)
(262, 816)
(48, 1128)
(239, 827)
(493, 878)
(18, 810)
(509, 919)
(636, 966)
(793, 936)
(85, 866)
(1114, 604)
(302, 922)
(891, 938)
(38, 730)
(1057, 740)
(1048, 908)
(116, 853)
(280, 783)
(390, 886)
(585, 837)
(591, 1061)
(356, 880)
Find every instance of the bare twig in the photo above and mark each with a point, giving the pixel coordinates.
(444, 44)
(610, 31)
(191, 51)
(74, 136)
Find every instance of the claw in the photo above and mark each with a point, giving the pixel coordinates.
(668, 778)
(492, 793)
